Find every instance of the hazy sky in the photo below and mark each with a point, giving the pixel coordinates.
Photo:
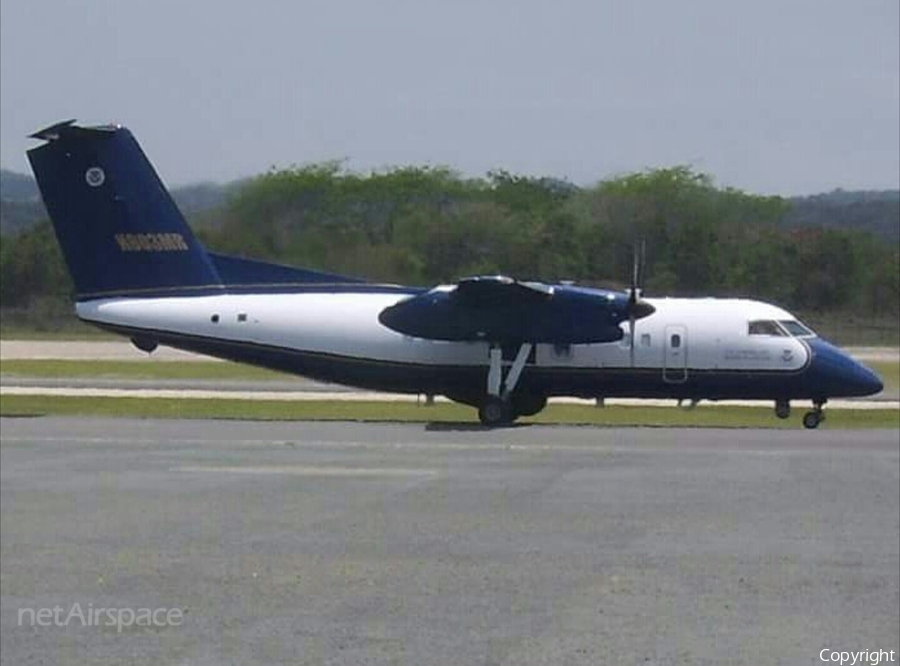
(771, 96)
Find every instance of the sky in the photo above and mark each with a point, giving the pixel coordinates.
(770, 96)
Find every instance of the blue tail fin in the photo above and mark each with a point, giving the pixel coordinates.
(120, 231)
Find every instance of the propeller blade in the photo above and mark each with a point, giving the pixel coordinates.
(637, 308)
(632, 296)
(642, 265)
(631, 339)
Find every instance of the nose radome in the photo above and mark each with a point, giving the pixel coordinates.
(860, 380)
(838, 375)
(871, 382)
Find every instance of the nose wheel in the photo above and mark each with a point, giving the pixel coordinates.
(811, 420)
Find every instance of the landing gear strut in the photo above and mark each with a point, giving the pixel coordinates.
(783, 409)
(812, 419)
(496, 408)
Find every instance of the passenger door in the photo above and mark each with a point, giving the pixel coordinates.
(675, 356)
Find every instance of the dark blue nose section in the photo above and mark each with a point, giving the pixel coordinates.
(834, 374)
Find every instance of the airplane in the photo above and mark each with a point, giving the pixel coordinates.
(501, 345)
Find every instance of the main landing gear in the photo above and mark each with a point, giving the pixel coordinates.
(500, 406)
(811, 419)
(495, 411)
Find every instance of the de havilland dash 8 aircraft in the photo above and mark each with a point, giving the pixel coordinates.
(498, 344)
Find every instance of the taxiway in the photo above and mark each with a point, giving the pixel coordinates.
(349, 543)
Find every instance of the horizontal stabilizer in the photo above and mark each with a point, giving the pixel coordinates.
(68, 128)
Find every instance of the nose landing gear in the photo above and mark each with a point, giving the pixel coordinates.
(811, 420)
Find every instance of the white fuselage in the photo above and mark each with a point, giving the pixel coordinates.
(710, 333)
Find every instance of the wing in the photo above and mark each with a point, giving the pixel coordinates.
(499, 309)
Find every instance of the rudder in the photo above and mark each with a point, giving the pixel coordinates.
(120, 232)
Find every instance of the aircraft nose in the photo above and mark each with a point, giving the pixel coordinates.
(837, 374)
(859, 380)
(870, 382)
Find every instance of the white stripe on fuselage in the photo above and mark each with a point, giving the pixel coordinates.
(713, 332)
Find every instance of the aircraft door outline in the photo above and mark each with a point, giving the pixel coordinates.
(675, 354)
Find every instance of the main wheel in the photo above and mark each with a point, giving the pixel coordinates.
(494, 412)
(528, 404)
(811, 420)
(782, 409)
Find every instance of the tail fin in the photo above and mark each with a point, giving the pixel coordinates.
(120, 231)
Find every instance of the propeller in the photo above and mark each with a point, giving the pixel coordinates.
(637, 308)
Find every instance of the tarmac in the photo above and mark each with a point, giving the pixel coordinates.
(346, 543)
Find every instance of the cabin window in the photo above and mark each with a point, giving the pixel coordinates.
(242, 316)
(214, 319)
(764, 327)
(676, 341)
(645, 340)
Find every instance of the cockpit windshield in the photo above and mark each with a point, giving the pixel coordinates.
(783, 328)
(796, 329)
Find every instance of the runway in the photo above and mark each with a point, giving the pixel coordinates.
(319, 543)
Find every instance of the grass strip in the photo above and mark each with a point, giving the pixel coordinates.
(199, 408)
(67, 331)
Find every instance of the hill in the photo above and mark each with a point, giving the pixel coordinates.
(877, 212)
(17, 187)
